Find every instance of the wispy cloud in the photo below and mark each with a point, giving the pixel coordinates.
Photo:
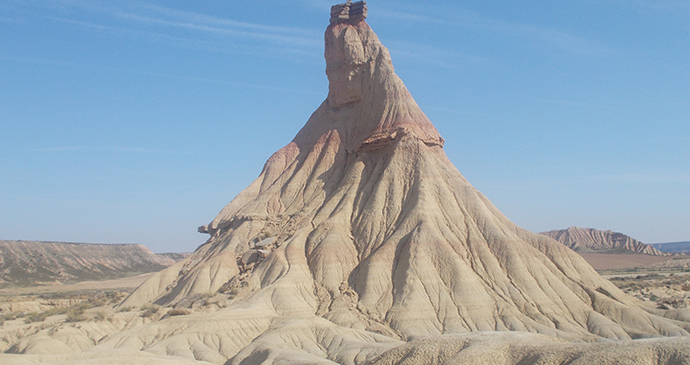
(602, 180)
(666, 5)
(108, 149)
(459, 17)
(11, 20)
(647, 5)
(679, 138)
(316, 4)
(42, 61)
(527, 146)
(449, 110)
(639, 178)
(157, 15)
(184, 27)
(565, 102)
(439, 57)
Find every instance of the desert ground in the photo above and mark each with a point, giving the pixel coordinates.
(661, 281)
(361, 243)
(611, 263)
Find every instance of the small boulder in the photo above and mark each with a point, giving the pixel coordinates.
(250, 257)
(264, 253)
(265, 242)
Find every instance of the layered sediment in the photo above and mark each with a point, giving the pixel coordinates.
(360, 242)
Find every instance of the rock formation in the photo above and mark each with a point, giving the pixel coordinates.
(360, 242)
(373, 228)
(592, 240)
(673, 247)
(25, 263)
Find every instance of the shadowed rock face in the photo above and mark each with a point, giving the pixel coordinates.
(374, 230)
(593, 240)
(25, 263)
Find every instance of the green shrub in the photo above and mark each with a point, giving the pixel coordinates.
(149, 310)
(101, 316)
(178, 312)
(76, 313)
(36, 317)
(9, 316)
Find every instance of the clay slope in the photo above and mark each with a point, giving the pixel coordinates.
(175, 256)
(360, 235)
(370, 226)
(25, 263)
(592, 240)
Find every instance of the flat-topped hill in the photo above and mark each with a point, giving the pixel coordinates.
(596, 241)
(26, 263)
(674, 247)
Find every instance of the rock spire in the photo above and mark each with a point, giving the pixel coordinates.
(361, 224)
(349, 12)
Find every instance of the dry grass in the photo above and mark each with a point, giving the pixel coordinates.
(672, 291)
(179, 312)
(73, 314)
(149, 310)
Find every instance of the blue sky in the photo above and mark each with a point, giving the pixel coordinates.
(137, 121)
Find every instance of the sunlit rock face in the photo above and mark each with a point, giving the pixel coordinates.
(374, 228)
(360, 234)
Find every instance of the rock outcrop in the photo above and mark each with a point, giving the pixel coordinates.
(374, 229)
(361, 243)
(592, 240)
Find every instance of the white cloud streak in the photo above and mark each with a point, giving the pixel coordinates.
(128, 18)
(439, 57)
(156, 74)
(156, 15)
(641, 178)
(464, 18)
(10, 20)
(108, 149)
(646, 5)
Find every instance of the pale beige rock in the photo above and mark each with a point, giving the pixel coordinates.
(365, 197)
(513, 348)
(384, 253)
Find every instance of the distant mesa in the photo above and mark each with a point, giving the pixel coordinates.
(29, 263)
(175, 256)
(361, 243)
(590, 240)
(673, 247)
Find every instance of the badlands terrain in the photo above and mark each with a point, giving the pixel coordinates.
(593, 240)
(29, 263)
(361, 243)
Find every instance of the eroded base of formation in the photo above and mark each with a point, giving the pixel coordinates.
(360, 242)
(218, 338)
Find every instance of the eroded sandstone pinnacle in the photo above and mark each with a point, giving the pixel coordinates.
(349, 12)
